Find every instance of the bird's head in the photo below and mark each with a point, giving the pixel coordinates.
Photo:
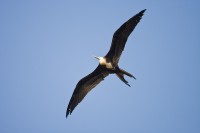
(98, 57)
(101, 59)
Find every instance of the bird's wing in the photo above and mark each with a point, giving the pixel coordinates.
(84, 86)
(120, 37)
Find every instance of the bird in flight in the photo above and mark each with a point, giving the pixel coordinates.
(107, 64)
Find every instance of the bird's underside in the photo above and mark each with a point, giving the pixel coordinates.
(107, 64)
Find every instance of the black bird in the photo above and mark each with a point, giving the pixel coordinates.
(107, 64)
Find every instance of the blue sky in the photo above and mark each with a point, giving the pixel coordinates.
(46, 47)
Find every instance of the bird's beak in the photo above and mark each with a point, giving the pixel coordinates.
(96, 57)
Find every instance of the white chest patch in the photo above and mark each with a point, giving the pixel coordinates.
(102, 61)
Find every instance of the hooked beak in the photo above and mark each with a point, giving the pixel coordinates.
(96, 57)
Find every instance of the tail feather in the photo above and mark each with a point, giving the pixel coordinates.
(126, 73)
(121, 77)
(120, 74)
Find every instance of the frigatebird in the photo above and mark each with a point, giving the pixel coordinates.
(107, 64)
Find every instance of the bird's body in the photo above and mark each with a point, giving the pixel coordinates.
(107, 64)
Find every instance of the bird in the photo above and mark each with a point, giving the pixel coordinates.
(107, 64)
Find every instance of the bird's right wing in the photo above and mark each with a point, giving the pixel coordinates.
(84, 86)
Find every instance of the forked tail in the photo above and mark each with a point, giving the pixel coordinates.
(126, 73)
(120, 75)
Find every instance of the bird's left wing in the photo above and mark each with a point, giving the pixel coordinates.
(120, 37)
(84, 86)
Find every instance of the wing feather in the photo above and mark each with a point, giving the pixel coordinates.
(85, 85)
(120, 37)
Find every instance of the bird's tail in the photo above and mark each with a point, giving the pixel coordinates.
(120, 75)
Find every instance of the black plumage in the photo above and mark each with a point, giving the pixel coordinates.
(108, 64)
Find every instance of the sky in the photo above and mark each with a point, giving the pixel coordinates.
(46, 47)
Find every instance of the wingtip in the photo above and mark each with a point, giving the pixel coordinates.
(67, 113)
(142, 12)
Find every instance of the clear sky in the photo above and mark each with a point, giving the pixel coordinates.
(46, 47)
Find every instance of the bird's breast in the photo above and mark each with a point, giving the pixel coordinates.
(109, 65)
(105, 63)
